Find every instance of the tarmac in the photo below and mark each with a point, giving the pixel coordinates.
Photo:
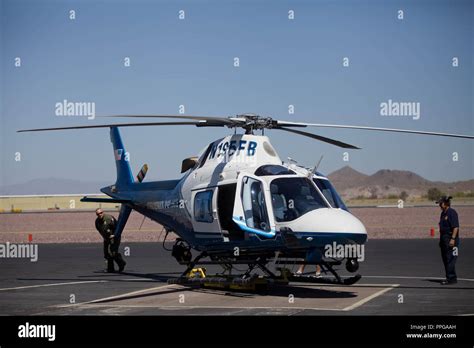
(399, 277)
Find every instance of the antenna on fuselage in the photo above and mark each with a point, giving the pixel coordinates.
(292, 163)
(311, 173)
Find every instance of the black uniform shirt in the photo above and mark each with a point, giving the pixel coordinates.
(448, 221)
(105, 226)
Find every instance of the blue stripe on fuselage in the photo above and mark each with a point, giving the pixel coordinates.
(323, 238)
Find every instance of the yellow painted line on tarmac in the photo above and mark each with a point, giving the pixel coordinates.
(118, 297)
(369, 298)
(52, 284)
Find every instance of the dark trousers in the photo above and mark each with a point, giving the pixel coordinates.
(449, 256)
(112, 254)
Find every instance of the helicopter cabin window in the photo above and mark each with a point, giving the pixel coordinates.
(253, 200)
(294, 197)
(203, 207)
(271, 169)
(330, 193)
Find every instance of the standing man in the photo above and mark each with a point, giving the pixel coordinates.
(105, 224)
(448, 239)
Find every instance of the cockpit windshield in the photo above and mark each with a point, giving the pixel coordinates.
(294, 197)
(330, 193)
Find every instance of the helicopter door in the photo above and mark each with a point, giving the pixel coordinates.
(205, 221)
(252, 211)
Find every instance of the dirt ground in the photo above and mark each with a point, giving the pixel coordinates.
(78, 227)
(415, 222)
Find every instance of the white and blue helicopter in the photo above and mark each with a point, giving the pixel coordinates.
(239, 203)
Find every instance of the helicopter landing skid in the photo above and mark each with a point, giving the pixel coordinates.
(326, 266)
(197, 277)
(247, 282)
(322, 280)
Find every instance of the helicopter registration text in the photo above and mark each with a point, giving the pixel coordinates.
(232, 147)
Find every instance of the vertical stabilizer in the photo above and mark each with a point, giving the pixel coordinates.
(124, 172)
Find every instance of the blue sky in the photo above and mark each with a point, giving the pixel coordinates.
(190, 62)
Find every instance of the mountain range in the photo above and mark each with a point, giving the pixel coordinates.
(349, 182)
(53, 186)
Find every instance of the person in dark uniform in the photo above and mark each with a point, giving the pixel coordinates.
(105, 224)
(448, 238)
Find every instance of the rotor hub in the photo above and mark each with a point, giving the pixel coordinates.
(251, 122)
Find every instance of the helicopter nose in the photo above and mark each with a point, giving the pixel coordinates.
(330, 222)
(338, 220)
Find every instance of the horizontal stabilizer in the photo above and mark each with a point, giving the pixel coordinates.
(141, 174)
(104, 200)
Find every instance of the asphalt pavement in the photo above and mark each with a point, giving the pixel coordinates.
(398, 277)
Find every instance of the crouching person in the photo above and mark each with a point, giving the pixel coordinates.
(106, 224)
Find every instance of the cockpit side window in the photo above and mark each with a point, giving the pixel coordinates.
(330, 193)
(253, 200)
(294, 197)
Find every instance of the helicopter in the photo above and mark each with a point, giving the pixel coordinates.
(239, 203)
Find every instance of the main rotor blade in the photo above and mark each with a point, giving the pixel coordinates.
(320, 138)
(396, 130)
(199, 124)
(217, 120)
